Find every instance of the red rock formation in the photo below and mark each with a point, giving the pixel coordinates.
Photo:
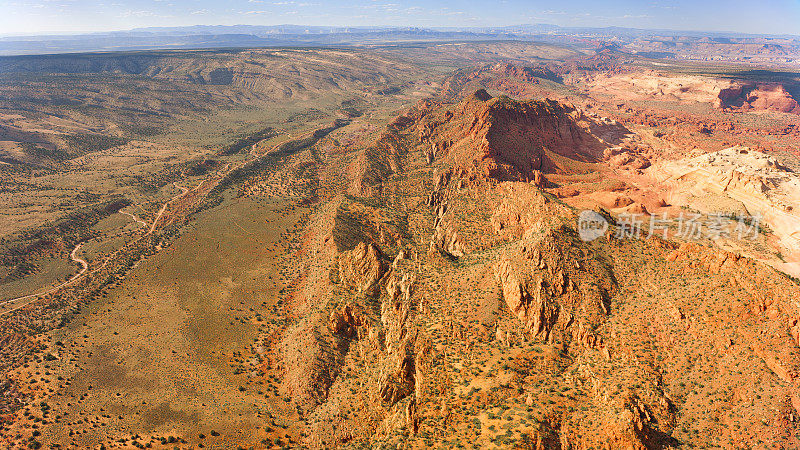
(512, 140)
(549, 290)
(760, 97)
(362, 268)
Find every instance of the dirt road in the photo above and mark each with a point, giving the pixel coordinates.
(31, 297)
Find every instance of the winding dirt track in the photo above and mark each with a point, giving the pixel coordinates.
(85, 265)
(184, 190)
(31, 297)
(135, 218)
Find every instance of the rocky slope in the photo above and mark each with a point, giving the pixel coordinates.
(759, 97)
(735, 181)
(723, 93)
(448, 300)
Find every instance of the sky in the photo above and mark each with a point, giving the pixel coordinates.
(73, 16)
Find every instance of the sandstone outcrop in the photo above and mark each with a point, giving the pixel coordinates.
(396, 380)
(760, 183)
(553, 284)
(596, 339)
(347, 321)
(362, 268)
(505, 139)
(758, 97)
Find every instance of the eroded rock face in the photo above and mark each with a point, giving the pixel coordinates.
(346, 321)
(523, 209)
(397, 304)
(447, 240)
(553, 284)
(402, 367)
(738, 95)
(508, 140)
(761, 97)
(752, 179)
(362, 268)
(396, 380)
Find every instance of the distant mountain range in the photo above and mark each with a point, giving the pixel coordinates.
(219, 36)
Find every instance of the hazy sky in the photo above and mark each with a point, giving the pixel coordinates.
(753, 16)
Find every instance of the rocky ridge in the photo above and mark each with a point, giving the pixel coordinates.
(460, 293)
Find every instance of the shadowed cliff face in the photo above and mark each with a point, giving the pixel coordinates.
(486, 137)
(758, 97)
(509, 140)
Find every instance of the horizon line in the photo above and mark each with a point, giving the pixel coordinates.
(397, 27)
